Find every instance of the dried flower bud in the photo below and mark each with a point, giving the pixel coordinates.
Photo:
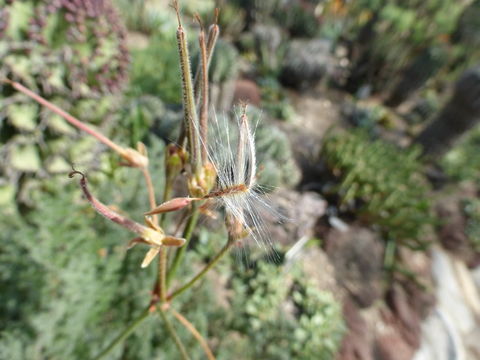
(201, 183)
(134, 158)
(176, 158)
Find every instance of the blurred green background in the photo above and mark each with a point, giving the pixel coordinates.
(372, 105)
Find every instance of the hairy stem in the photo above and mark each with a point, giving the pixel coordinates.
(187, 235)
(190, 327)
(174, 335)
(207, 267)
(124, 334)
(190, 111)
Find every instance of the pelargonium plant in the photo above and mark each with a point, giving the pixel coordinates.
(221, 172)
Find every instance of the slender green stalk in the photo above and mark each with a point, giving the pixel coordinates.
(174, 335)
(124, 334)
(187, 235)
(207, 267)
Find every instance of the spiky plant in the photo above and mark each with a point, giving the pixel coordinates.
(72, 53)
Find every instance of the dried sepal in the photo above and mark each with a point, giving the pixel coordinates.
(152, 235)
(172, 205)
(173, 241)
(150, 256)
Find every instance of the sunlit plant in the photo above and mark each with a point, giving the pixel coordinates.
(217, 173)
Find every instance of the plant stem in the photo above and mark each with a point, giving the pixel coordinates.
(161, 284)
(124, 334)
(190, 327)
(190, 111)
(204, 97)
(71, 119)
(187, 235)
(151, 192)
(174, 335)
(162, 274)
(207, 267)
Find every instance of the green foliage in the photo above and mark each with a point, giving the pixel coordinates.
(279, 315)
(155, 69)
(399, 32)
(73, 55)
(69, 286)
(274, 100)
(138, 116)
(462, 162)
(472, 230)
(139, 17)
(299, 18)
(382, 184)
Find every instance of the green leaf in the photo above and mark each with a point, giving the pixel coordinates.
(25, 158)
(23, 116)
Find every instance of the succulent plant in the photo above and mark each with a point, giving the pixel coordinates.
(306, 62)
(381, 184)
(72, 53)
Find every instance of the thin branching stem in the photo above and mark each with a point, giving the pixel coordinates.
(204, 97)
(212, 37)
(174, 335)
(190, 327)
(187, 235)
(202, 272)
(124, 334)
(71, 119)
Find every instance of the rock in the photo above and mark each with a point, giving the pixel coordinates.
(473, 345)
(306, 62)
(453, 223)
(318, 268)
(356, 344)
(392, 346)
(247, 91)
(458, 116)
(476, 276)
(357, 255)
(449, 292)
(440, 340)
(404, 318)
(300, 212)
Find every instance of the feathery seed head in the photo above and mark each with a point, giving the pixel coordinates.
(234, 159)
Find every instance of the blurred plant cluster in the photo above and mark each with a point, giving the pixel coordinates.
(75, 292)
(123, 81)
(72, 53)
(472, 211)
(382, 184)
(114, 64)
(462, 162)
